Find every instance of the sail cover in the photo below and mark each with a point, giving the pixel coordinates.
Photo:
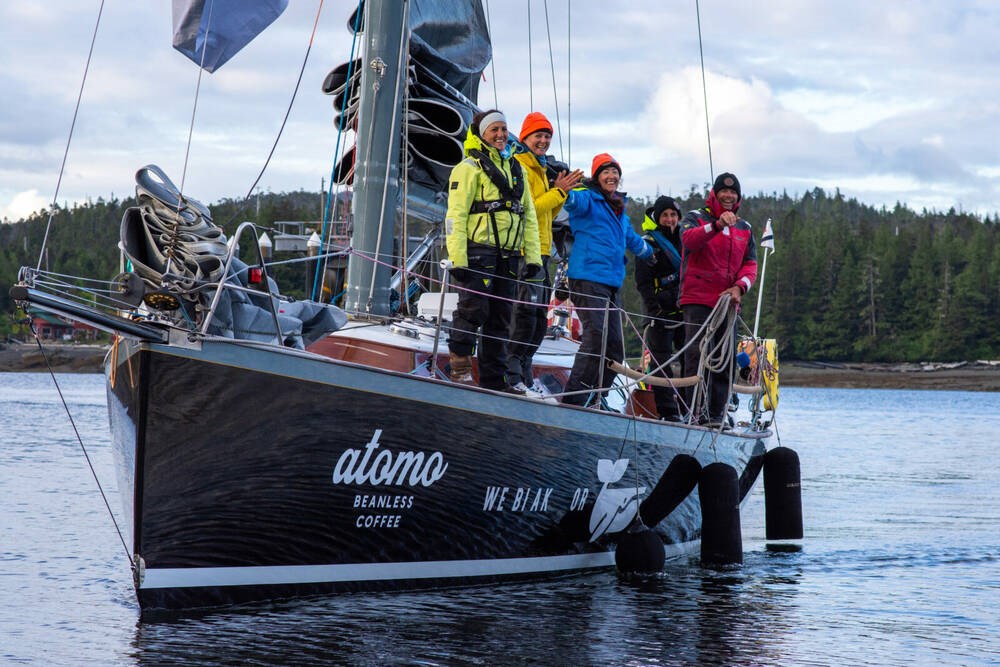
(452, 40)
(221, 27)
(449, 49)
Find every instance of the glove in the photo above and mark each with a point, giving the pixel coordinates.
(461, 274)
(533, 273)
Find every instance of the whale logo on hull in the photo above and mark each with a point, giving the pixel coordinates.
(614, 508)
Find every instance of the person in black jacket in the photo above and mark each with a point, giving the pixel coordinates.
(659, 285)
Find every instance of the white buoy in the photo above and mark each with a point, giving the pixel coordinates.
(265, 245)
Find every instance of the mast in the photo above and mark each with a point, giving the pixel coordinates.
(376, 172)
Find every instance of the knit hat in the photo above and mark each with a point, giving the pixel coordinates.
(729, 181)
(601, 162)
(534, 122)
(486, 119)
(662, 204)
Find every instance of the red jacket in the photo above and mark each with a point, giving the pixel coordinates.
(714, 261)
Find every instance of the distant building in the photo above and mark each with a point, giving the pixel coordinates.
(52, 327)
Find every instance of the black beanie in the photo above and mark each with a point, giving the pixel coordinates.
(727, 180)
(662, 204)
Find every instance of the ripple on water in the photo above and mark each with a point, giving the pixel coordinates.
(899, 565)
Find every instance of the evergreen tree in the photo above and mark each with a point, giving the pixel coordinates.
(848, 281)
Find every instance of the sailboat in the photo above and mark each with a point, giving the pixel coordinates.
(268, 448)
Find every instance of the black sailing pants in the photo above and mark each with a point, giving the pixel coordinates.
(530, 323)
(484, 303)
(718, 383)
(591, 299)
(662, 339)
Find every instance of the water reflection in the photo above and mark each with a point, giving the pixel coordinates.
(899, 565)
(687, 616)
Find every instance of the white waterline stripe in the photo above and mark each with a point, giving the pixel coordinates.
(311, 574)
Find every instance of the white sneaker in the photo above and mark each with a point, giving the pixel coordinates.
(537, 391)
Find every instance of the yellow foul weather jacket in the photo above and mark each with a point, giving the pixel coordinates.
(469, 184)
(547, 200)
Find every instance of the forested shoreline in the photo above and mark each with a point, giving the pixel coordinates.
(847, 282)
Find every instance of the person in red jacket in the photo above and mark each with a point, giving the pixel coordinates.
(720, 257)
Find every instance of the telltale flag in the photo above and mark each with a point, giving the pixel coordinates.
(767, 240)
(228, 24)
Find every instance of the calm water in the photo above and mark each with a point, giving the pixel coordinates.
(900, 564)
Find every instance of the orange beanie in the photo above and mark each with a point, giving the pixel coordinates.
(534, 122)
(603, 160)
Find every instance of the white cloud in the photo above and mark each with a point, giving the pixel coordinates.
(888, 102)
(847, 112)
(21, 205)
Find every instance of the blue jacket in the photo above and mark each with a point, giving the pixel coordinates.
(600, 239)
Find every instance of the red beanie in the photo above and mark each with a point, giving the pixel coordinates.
(603, 160)
(534, 122)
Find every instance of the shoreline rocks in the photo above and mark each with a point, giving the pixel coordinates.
(957, 376)
(61, 357)
(960, 376)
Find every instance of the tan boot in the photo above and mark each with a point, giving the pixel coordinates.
(461, 368)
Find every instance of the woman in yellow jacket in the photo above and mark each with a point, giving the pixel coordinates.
(530, 310)
(490, 219)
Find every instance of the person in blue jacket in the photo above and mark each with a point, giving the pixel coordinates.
(602, 232)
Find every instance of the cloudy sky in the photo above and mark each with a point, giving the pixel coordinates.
(889, 100)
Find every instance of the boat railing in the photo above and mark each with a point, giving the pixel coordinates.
(226, 282)
(716, 353)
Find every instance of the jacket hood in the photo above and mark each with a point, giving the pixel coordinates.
(647, 224)
(473, 142)
(715, 208)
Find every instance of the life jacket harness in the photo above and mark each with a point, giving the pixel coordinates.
(667, 247)
(510, 197)
(661, 283)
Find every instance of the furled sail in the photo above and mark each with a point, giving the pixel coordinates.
(220, 27)
(449, 49)
(451, 39)
(171, 241)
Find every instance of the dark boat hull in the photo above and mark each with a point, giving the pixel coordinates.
(255, 473)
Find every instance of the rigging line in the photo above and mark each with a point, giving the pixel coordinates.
(704, 93)
(631, 426)
(404, 279)
(531, 80)
(331, 203)
(291, 102)
(69, 139)
(635, 458)
(194, 108)
(83, 447)
(493, 65)
(404, 276)
(569, 83)
(552, 68)
(281, 129)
